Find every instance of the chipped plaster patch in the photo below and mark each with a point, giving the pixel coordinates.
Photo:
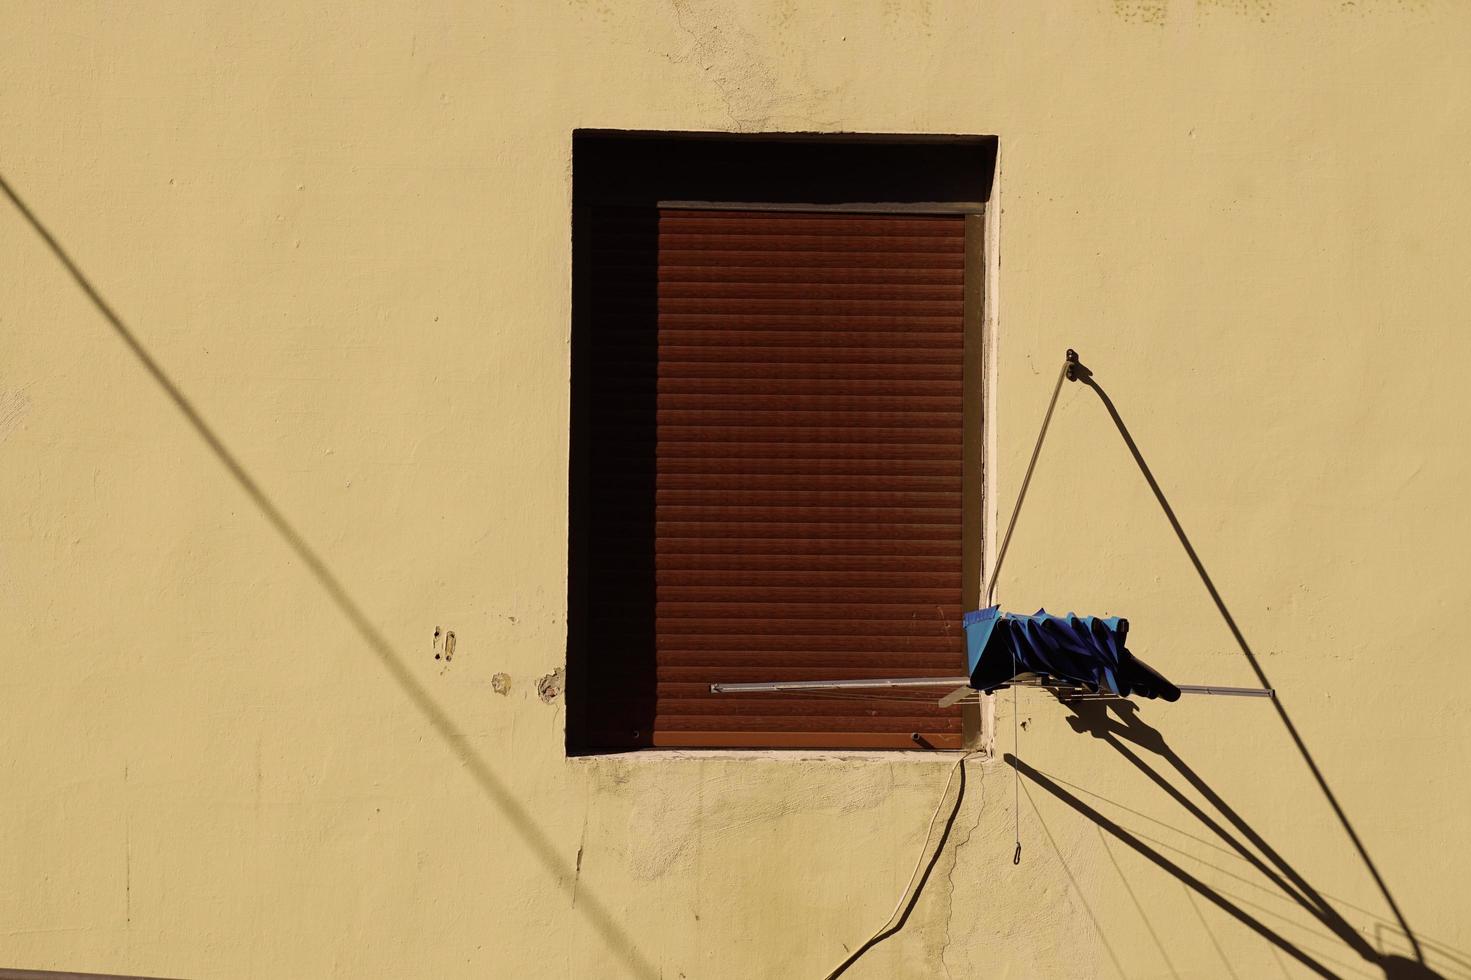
(549, 686)
(501, 683)
(670, 824)
(739, 66)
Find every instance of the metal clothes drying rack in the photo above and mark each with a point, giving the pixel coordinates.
(959, 687)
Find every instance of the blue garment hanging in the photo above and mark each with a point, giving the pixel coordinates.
(1083, 650)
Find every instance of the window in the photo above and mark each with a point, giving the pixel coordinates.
(772, 453)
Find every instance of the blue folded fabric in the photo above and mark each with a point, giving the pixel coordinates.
(1086, 650)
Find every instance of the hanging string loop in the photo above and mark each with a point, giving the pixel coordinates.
(1068, 373)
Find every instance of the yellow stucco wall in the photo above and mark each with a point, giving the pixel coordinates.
(342, 231)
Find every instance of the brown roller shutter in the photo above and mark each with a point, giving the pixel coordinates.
(774, 484)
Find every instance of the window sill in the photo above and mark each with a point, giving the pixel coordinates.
(656, 755)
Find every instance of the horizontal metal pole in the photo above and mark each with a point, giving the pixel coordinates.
(884, 683)
(1235, 692)
(771, 687)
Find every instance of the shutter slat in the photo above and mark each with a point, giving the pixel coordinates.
(756, 402)
(680, 310)
(802, 430)
(715, 295)
(882, 501)
(881, 468)
(878, 552)
(793, 244)
(817, 625)
(768, 222)
(686, 487)
(910, 617)
(914, 334)
(794, 266)
(874, 329)
(756, 645)
(875, 369)
(765, 277)
(792, 739)
(854, 389)
(812, 452)
(825, 565)
(825, 594)
(738, 666)
(792, 528)
(851, 582)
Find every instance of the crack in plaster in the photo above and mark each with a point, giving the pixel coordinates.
(980, 806)
(744, 79)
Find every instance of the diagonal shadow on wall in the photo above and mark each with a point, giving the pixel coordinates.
(515, 813)
(1085, 376)
(1118, 725)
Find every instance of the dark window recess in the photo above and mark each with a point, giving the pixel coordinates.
(769, 438)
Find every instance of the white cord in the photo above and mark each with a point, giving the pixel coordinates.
(929, 832)
(1016, 753)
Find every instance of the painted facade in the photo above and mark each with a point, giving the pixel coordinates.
(330, 420)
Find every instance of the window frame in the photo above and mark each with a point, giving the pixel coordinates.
(981, 233)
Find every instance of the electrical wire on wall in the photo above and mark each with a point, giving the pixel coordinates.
(902, 910)
(890, 926)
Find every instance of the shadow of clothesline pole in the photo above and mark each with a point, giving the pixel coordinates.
(1093, 718)
(1165, 864)
(533, 836)
(1085, 376)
